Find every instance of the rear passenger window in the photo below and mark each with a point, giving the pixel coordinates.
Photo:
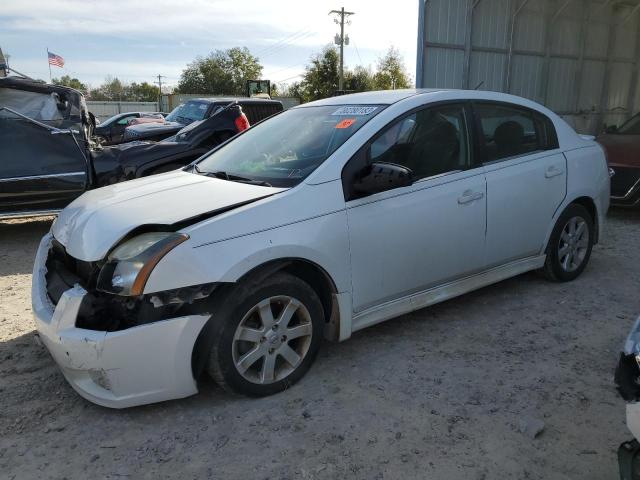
(511, 132)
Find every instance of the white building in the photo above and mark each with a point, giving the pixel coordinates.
(578, 57)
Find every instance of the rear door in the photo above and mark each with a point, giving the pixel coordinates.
(39, 171)
(526, 179)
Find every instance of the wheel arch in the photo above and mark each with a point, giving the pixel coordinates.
(310, 272)
(583, 200)
(590, 205)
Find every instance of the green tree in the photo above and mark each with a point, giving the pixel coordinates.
(359, 80)
(221, 72)
(290, 90)
(67, 81)
(392, 72)
(111, 90)
(142, 92)
(320, 79)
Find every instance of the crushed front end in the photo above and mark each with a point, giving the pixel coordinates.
(116, 351)
(627, 378)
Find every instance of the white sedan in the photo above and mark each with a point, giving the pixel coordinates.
(322, 220)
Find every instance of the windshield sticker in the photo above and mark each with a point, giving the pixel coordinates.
(346, 123)
(202, 106)
(355, 110)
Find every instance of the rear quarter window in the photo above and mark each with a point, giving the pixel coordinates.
(511, 131)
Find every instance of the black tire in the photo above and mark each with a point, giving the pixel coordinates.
(553, 268)
(230, 312)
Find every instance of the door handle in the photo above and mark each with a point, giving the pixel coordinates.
(469, 196)
(553, 171)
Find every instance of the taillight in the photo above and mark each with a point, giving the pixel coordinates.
(242, 122)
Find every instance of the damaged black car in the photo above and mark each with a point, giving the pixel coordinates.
(49, 157)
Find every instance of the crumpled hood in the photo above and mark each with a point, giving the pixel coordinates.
(91, 225)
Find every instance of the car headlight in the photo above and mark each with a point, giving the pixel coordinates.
(130, 264)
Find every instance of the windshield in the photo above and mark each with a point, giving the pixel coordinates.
(631, 126)
(283, 150)
(186, 113)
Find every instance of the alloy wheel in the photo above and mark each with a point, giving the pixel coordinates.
(272, 339)
(574, 244)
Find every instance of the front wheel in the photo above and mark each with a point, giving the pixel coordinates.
(570, 244)
(267, 336)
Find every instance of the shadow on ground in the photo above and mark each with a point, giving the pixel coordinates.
(19, 241)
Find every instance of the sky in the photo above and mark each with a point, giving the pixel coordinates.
(135, 40)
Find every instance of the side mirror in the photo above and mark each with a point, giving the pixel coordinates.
(611, 129)
(380, 177)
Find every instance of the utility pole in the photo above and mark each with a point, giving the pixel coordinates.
(341, 41)
(159, 83)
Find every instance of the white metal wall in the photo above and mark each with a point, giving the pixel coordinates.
(578, 57)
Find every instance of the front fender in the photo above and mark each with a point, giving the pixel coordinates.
(321, 240)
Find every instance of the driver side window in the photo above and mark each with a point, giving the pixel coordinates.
(430, 142)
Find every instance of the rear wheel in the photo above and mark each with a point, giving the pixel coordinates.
(570, 244)
(267, 336)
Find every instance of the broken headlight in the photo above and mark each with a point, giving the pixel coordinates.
(627, 376)
(130, 264)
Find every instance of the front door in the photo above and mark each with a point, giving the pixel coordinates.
(409, 239)
(39, 171)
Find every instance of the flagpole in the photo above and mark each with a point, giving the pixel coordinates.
(50, 79)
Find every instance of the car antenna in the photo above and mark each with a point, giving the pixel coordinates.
(479, 85)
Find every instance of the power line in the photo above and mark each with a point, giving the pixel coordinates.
(284, 40)
(288, 44)
(289, 78)
(358, 52)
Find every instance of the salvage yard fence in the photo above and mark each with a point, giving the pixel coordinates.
(171, 101)
(104, 110)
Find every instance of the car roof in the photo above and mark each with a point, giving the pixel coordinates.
(388, 97)
(378, 97)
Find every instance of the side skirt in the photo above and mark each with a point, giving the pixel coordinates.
(416, 301)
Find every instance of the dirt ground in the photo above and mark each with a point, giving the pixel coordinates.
(438, 394)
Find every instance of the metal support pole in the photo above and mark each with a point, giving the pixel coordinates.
(512, 26)
(466, 68)
(604, 93)
(630, 16)
(583, 46)
(546, 69)
(422, 5)
(633, 87)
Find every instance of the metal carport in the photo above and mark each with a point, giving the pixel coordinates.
(578, 57)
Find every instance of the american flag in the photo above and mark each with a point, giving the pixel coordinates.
(56, 60)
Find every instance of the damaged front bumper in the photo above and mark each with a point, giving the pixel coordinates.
(143, 364)
(627, 378)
